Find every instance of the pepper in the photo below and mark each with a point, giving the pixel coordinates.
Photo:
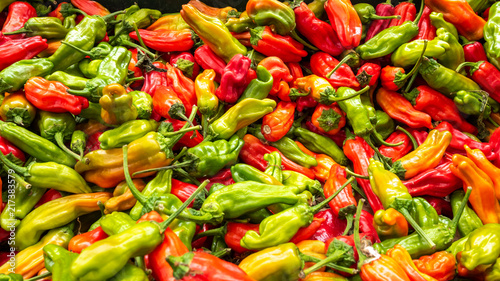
(213, 32)
(233, 80)
(143, 104)
(186, 63)
(440, 265)
(318, 32)
(190, 139)
(454, 56)
(469, 221)
(126, 133)
(21, 49)
(486, 75)
(264, 41)
(46, 27)
(17, 108)
(481, 248)
(390, 223)
(403, 258)
(58, 261)
(323, 163)
(15, 76)
(71, 81)
(408, 53)
(396, 152)
(89, 67)
(35, 145)
(241, 115)
(296, 153)
(161, 184)
(19, 13)
(83, 240)
(478, 157)
(492, 272)
(322, 64)
(345, 22)
(281, 77)
(276, 124)
(172, 21)
(438, 21)
(260, 87)
(153, 79)
(52, 96)
(116, 103)
(207, 59)
(90, 7)
(167, 104)
(382, 9)
(315, 87)
(6, 147)
(471, 102)
(208, 158)
(164, 40)
(426, 30)
(474, 52)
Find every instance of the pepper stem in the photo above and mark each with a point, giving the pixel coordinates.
(379, 138)
(318, 207)
(60, 142)
(349, 218)
(493, 122)
(474, 65)
(128, 80)
(309, 258)
(211, 232)
(295, 36)
(377, 17)
(335, 99)
(221, 253)
(83, 93)
(164, 225)
(454, 222)
(40, 277)
(357, 240)
(177, 111)
(85, 52)
(139, 38)
(329, 259)
(176, 135)
(113, 14)
(417, 227)
(18, 169)
(382, 157)
(349, 56)
(349, 172)
(182, 130)
(133, 45)
(175, 166)
(186, 175)
(137, 194)
(21, 30)
(417, 19)
(21, 181)
(412, 139)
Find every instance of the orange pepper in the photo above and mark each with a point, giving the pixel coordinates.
(403, 258)
(276, 124)
(314, 248)
(478, 157)
(440, 265)
(325, 163)
(390, 223)
(383, 268)
(329, 119)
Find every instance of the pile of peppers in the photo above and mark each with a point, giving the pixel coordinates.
(289, 141)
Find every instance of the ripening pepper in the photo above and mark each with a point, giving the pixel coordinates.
(281, 77)
(268, 43)
(478, 157)
(116, 103)
(408, 53)
(345, 22)
(172, 21)
(213, 32)
(166, 103)
(58, 261)
(486, 75)
(71, 81)
(440, 265)
(83, 240)
(166, 40)
(322, 64)
(272, 12)
(46, 27)
(328, 119)
(459, 140)
(15, 76)
(315, 87)
(18, 109)
(454, 56)
(320, 144)
(399, 151)
(323, 163)
(469, 221)
(383, 268)
(204, 88)
(482, 247)
(21, 49)
(276, 124)
(233, 80)
(426, 30)
(122, 197)
(182, 86)
(390, 223)
(126, 133)
(259, 87)
(403, 258)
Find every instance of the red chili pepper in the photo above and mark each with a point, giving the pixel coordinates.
(345, 21)
(90, 7)
(318, 32)
(235, 231)
(265, 41)
(19, 14)
(304, 233)
(322, 64)
(396, 152)
(207, 59)
(358, 151)
(335, 180)
(389, 76)
(165, 40)
(441, 108)
(50, 195)
(233, 81)
(494, 142)
(406, 10)
(281, 77)
(243, 37)
(20, 49)
(295, 71)
(52, 96)
(93, 142)
(474, 52)
(419, 135)
(186, 140)
(82, 241)
(167, 103)
(57, 12)
(224, 177)
(382, 9)
(182, 86)
(426, 31)
(186, 63)
(368, 74)
(366, 226)
(137, 71)
(328, 119)
(332, 226)
(7, 147)
(276, 124)
(253, 152)
(154, 79)
(171, 246)
(442, 206)
(305, 102)
(487, 76)
(183, 190)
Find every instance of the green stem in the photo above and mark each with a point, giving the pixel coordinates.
(113, 14)
(164, 225)
(295, 36)
(85, 52)
(382, 157)
(325, 262)
(349, 220)
(182, 130)
(188, 176)
(128, 80)
(335, 99)
(318, 207)
(139, 38)
(357, 239)
(417, 19)
(175, 166)
(344, 60)
(221, 253)
(359, 191)
(349, 172)
(212, 232)
(377, 17)
(461, 66)
(140, 262)
(379, 138)
(40, 277)
(180, 154)
(137, 194)
(60, 142)
(414, 71)
(18, 169)
(133, 45)
(417, 227)
(493, 122)
(83, 93)
(21, 30)
(458, 215)
(21, 181)
(412, 139)
(330, 264)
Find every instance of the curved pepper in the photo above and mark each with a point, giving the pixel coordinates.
(403, 258)
(204, 87)
(21, 49)
(426, 30)
(459, 140)
(46, 27)
(169, 22)
(345, 22)
(83, 240)
(272, 12)
(18, 109)
(383, 268)
(482, 247)
(286, 48)
(454, 56)
(478, 157)
(15, 76)
(19, 13)
(276, 124)
(233, 80)
(182, 86)
(440, 265)
(164, 40)
(123, 199)
(469, 221)
(322, 64)
(315, 87)
(126, 133)
(399, 151)
(153, 79)
(390, 223)
(408, 53)
(281, 77)
(260, 87)
(207, 59)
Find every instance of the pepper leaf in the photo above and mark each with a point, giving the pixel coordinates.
(180, 265)
(326, 95)
(329, 120)
(344, 252)
(412, 96)
(233, 14)
(364, 78)
(185, 66)
(398, 169)
(256, 35)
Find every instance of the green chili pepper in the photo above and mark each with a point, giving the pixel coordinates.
(35, 145)
(482, 247)
(89, 67)
(93, 112)
(11, 277)
(99, 52)
(78, 142)
(130, 272)
(143, 102)
(58, 262)
(409, 53)
(493, 272)
(438, 21)
(300, 183)
(274, 165)
(474, 103)
(70, 21)
(46, 27)
(160, 185)
(71, 81)
(240, 24)
(454, 56)
(126, 133)
(241, 115)
(259, 87)
(367, 13)
(384, 125)
(243, 172)
(423, 213)
(15, 76)
(74, 70)
(185, 230)
(57, 127)
(469, 221)
(116, 222)
(458, 246)
(141, 18)
(320, 144)
(273, 13)
(492, 46)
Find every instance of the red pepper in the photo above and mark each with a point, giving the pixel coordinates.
(186, 63)
(295, 71)
(164, 40)
(487, 76)
(494, 142)
(224, 177)
(276, 124)
(207, 59)
(396, 152)
(57, 12)
(235, 231)
(233, 81)
(382, 9)
(90, 7)
(20, 49)
(304, 233)
(442, 206)
(93, 142)
(345, 198)
(474, 52)
(406, 10)
(460, 139)
(332, 226)
(182, 86)
(243, 38)
(50, 195)
(186, 140)
(426, 31)
(368, 74)
(441, 108)
(265, 41)
(52, 96)
(305, 102)
(358, 151)
(153, 79)
(7, 147)
(322, 64)
(19, 14)
(253, 154)
(201, 242)
(167, 103)
(338, 138)
(137, 71)
(318, 32)
(183, 190)
(82, 241)
(366, 226)
(328, 119)
(345, 21)
(419, 135)
(171, 245)
(4, 236)
(281, 77)
(388, 77)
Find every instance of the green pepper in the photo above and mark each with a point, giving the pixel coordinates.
(438, 21)
(241, 115)
(130, 272)
(99, 52)
(300, 183)
(58, 262)
(126, 133)
(160, 185)
(143, 102)
(74, 70)
(40, 148)
(423, 213)
(70, 21)
(240, 24)
(11, 277)
(116, 222)
(78, 142)
(274, 165)
(54, 214)
(367, 14)
(93, 112)
(15, 76)
(46, 27)
(384, 125)
(409, 53)
(273, 13)
(259, 87)
(71, 81)
(141, 18)
(458, 246)
(482, 247)
(208, 158)
(113, 69)
(492, 46)
(473, 103)
(469, 220)
(454, 56)
(185, 230)
(85, 35)
(89, 67)
(493, 272)
(320, 144)
(213, 32)
(57, 127)
(243, 172)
